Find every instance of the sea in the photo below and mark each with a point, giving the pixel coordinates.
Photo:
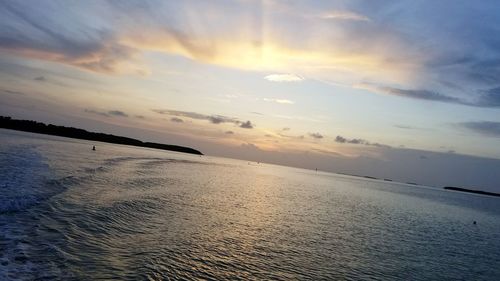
(131, 213)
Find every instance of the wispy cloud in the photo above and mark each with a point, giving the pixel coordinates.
(102, 113)
(214, 119)
(489, 98)
(110, 113)
(176, 120)
(344, 15)
(36, 37)
(281, 101)
(341, 139)
(485, 98)
(111, 36)
(40, 78)
(406, 127)
(283, 78)
(414, 94)
(485, 128)
(10, 92)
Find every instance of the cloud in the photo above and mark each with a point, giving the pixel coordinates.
(485, 128)
(217, 119)
(341, 139)
(214, 119)
(30, 32)
(140, 117)
(117, 113)
(286, 129)
(282, 101)
(246, 125)
(13, 92)
(297, 137)
(489, 98)
(249, 146)
(40, 78)
(97, 112)
(344, 15)
(176, 120)
(109, 113)
(229, 132)
(414, 94)
(406, 127)
(257, 113)
(390, 47)
(316, 135)
(283, 78)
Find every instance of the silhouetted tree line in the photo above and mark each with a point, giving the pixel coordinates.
(70, 132)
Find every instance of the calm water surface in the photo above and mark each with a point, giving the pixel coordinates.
(127, 213)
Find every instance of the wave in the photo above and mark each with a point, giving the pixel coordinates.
(26, 179)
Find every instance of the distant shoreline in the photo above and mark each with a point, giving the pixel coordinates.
(472, 191)
(76, 133)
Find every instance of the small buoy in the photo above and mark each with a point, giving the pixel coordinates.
(93, 147)
(474, 222)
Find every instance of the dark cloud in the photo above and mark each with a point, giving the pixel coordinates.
(246, 125)
(214, 119)
(176, 120)
(217, 119)
(117, 113)
(485, 98)
(485, 128)
(13, 92)
(422, 94)
(31, 33)
(97, 112)
(316, 135)
(40, 78)
(357, 141)
(341, 139)
(109, 113)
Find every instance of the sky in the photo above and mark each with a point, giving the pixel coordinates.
(408, 90)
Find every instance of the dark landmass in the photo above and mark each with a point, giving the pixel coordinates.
(70, 132)
(472, 191)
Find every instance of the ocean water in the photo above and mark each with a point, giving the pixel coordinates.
(126, 213)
